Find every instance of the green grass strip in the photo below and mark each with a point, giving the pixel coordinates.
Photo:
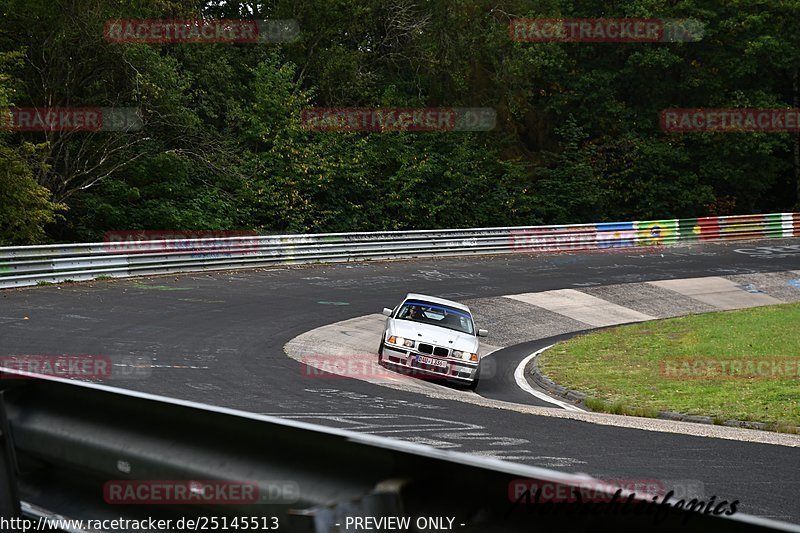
(704, 364)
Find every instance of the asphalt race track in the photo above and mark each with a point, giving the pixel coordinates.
(219, 339)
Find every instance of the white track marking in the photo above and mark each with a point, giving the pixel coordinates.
(519, 376)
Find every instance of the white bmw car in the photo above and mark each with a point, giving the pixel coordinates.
(432, 337)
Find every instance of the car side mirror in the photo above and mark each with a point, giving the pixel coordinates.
(483, 333)
(387, 311)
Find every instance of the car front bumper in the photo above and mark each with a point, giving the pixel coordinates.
(408, 359)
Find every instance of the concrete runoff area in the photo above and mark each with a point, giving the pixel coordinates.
(582, 307)
(719, 292)
(512, 322)
(650, 299)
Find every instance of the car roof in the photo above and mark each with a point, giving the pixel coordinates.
(435, 300)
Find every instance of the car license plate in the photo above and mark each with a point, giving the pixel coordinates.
(431, 361)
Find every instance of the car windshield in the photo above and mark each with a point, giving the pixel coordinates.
(436, 314)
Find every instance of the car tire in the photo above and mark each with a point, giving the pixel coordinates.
(380, 355)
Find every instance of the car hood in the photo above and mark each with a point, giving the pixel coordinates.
(434, 334)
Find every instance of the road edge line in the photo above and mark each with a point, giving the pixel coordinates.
(522, 383)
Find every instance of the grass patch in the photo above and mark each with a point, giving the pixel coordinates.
(626, 369)
(103, 278)
(48, 283)
(619, 408)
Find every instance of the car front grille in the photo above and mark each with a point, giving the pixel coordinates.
(433, 350)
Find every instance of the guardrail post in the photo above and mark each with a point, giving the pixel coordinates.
(9, 492)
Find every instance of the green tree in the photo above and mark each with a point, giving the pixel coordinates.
(25, 206)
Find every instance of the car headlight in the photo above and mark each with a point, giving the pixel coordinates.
(465, 356)
(400, 341)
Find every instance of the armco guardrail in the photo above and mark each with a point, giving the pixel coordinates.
(87, 451)
(29, 265)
